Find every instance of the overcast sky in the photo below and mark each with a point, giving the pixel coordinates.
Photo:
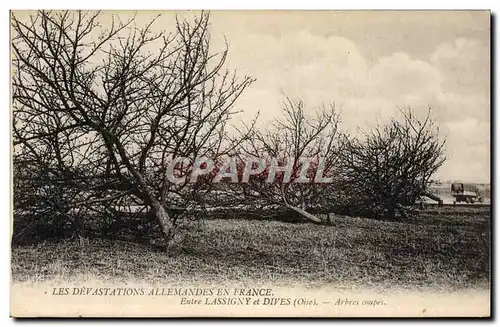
(369, 63)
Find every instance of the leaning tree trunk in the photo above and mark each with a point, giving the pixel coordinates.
(164, 221)
(434, 197)
(305, 214)
(159, 210)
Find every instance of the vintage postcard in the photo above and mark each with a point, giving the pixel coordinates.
(250, 163)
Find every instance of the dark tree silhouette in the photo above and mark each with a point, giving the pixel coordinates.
(389, 168)
(102, 111)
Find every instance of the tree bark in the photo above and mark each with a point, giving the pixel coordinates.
(434, 197)
(159, 210)
(305, 214)
(164, 220)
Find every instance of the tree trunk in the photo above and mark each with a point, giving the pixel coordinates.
(161, 214)
(305, 214)
(164, 220)
(434, 197)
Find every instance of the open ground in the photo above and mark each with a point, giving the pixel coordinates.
(444, 248)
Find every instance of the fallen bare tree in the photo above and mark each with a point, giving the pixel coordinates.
(288, 165)
(102, 114)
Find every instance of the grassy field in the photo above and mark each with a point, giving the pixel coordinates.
(443, 248)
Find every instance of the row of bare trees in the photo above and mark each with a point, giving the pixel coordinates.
(99, 113)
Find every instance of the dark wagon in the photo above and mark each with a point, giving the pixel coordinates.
(466, 195)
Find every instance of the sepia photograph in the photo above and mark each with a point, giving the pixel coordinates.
(250, 163)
